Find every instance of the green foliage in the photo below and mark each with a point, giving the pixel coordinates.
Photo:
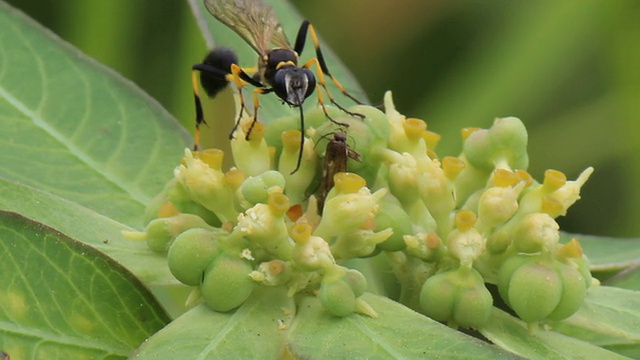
(83, 151)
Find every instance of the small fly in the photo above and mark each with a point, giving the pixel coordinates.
(278, 69)
(335, 161)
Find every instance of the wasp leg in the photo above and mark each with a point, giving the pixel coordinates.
(322, 64)
(256, 105)
(240, 77)
(324, 108)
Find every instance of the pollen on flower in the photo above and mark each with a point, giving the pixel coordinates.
(523, 175)
(211, 157)
(431, 139)
(300, 233)
(348, 183)
(278, 203)
(465, 219)
(414, 128)
(504, 178)
(452, 166)
(290, 140)
(234, 178)
(553, 180)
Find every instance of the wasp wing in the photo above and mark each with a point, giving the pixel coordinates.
(254, 21)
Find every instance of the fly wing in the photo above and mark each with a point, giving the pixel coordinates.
(254, 21)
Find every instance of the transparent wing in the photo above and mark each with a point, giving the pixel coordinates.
(254, 21)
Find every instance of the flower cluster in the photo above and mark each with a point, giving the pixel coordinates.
(446, 226)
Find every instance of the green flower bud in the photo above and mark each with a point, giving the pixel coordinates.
(356, 281)
(160, 233)
(392, 215)
(465, 243)
(531, 286)
(497, 204)
(536, 232)
(351, 207)
(226, 283)
(257, 189)
(574, 289)
(298, 182)
(427, 247)
(264, 225)
(584, 267)
(569, 193)
(252, 156)
(179, 198)
(206, 184)
(504, 145)
(191, 253)
(458, 297)
(313, 119)
(403, 184)
(310, 253)
(359, 243)
(337, 298)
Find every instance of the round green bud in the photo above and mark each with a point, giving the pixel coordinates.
(458, 297)
(356, 281)
(226, 283)
(191, 253)
(584, 269)
(437, 297)
(536, 232)
(473, 304)
(533, 290)
(161, 232)
(273, 178)
(254, 190)
(337, 298)
(392, 215)
(574, 289)
(181, 201)
(510, 135)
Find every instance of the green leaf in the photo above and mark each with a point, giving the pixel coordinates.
(607, 253)
(76, 129)
(610, 318)
(94, 229)
(269, 326)
(512, 334)
(627, 279)
(62, 299)
(250, 332)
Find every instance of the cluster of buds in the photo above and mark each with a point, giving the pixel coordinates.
(447, 227)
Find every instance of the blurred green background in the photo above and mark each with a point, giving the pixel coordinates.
(570, 70)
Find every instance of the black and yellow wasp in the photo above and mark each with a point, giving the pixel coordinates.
(277, 70)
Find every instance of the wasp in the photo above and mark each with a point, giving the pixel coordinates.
(278, 70)
(335, 161)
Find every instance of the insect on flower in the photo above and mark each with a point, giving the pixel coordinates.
(277, 70)
(335, 161)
